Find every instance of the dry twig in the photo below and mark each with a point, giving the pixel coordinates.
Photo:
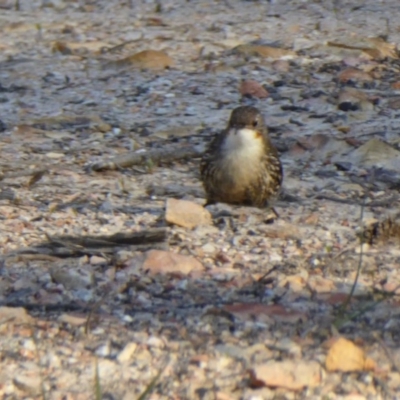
(140, 158)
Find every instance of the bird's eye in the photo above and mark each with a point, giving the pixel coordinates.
(255, 123)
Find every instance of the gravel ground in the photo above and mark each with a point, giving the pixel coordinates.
(235, 305)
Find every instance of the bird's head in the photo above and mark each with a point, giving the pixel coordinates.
(246, 129)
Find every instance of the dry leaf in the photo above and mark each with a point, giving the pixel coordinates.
(375, 48)
(381, 49)
(165, 262)
(146, 59)
(253, 89)
(67, 48)
(28, 132)
(152, 21)
(263, 51)
(61, 47)
(344, 129)
(354, 74)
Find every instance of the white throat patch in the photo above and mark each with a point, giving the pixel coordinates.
(243, 143)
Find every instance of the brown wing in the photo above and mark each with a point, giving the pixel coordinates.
(272, 159)
(211, 154)
(270, 179)
(209, 164)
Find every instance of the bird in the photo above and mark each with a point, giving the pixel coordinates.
(385, 231)
(241, 166)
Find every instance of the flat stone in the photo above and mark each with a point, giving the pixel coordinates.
(346, 356)
(376, 153)
(74, 320)
(290, 374)
(70, 279)
(186, 213)
(28, 384)
(127, 352)
(14, 315)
